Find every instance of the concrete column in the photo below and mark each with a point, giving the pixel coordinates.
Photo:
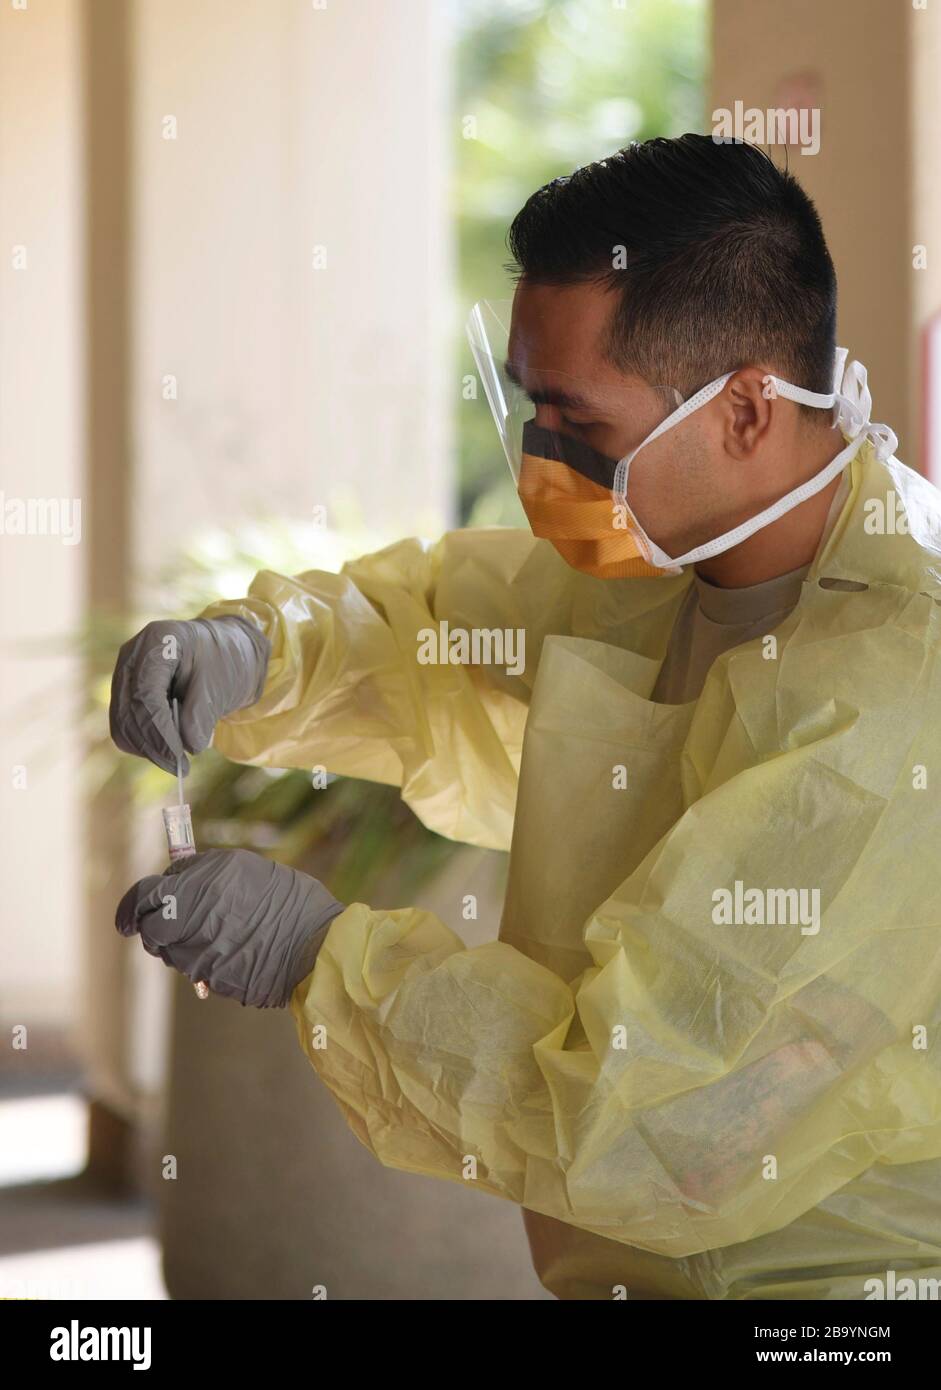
(106, 982)
(43, 568)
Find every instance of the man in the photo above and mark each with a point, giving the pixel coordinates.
(703, 1053)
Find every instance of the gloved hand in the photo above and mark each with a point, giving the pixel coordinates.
(213, 666)
(249, 927)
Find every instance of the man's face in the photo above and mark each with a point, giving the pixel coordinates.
(555, 352)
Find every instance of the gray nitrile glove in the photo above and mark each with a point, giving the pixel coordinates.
(249, 927)
(213, 666)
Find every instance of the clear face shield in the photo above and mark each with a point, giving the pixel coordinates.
(563, 437)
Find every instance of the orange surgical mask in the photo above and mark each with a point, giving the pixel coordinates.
(565, 488)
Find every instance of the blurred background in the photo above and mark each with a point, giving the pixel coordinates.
(238, 240)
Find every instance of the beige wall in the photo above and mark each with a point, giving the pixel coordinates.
(296, 127)
(925, 103)
(875, 64)
(41, 444)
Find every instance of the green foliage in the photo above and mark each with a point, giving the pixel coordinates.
(550, 85)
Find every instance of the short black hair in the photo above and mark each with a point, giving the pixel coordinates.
(719, 256)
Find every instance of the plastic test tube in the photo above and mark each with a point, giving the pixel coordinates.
(178, 824)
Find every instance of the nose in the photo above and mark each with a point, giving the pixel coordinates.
(548, 417)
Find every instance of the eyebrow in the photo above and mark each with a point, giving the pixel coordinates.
(565, 399)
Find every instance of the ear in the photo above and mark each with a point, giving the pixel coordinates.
(747, 412)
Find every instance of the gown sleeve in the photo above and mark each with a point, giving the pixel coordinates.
(347, 688)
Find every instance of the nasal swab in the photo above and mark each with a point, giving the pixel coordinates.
(179, 760)
(178, 819)
(178, 824)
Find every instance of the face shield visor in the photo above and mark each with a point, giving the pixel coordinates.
(563, 437)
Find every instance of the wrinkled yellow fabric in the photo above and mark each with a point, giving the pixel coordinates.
(691, 1110)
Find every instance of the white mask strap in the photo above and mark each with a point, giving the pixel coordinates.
(850, 394)
(777, 509)
(773, 386)
(706, 393)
